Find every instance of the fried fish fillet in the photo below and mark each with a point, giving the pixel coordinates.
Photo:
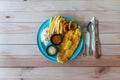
(68, 45)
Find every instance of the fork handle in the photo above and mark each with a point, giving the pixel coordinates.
(97, 50)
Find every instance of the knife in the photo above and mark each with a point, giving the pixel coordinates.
(97, 45)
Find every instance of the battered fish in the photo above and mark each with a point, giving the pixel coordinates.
(68, 45)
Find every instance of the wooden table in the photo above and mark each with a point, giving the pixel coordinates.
(20, 58)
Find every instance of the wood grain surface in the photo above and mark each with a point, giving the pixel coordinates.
(110, 16)
(19, 27)
(63, 5)
(58, 73)
(40, 61)
(20, 58)
(33, 50)
(30, 38)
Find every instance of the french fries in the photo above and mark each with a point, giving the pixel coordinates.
(58, 25)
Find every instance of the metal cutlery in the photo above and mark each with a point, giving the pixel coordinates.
(91, 36)
(94, 38)
(85, 32)
(89, 28)
(97, 43)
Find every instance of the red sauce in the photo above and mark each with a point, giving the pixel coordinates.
(56, 39)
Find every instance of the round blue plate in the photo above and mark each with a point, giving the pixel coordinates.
(43, 47)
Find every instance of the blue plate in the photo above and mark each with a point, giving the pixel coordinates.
(43, 47)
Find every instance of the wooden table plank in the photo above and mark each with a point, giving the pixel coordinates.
(112, 16)
(110, 38)
(18, 38)
(40, 61)
(15, 28)
(19, 50)
(5, 28)
(79, 5)
(109, 27)
(67, 73)
(32, 50)
(30, 38)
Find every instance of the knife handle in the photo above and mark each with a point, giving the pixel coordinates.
(97, 50)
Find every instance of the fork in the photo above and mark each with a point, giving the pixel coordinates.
(84, 30)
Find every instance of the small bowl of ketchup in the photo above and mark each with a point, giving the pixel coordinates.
(56, 39)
